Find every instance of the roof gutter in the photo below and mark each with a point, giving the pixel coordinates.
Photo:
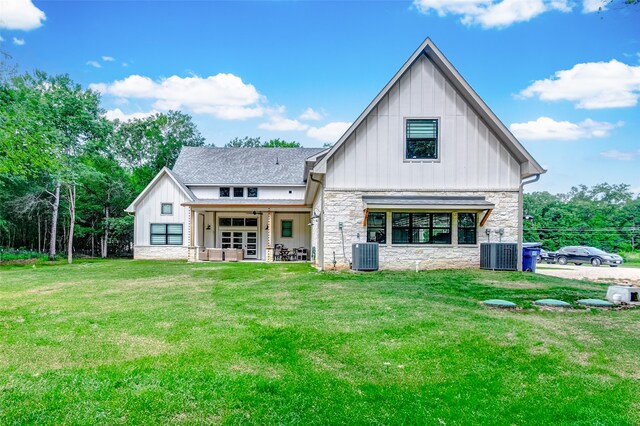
(536, 178)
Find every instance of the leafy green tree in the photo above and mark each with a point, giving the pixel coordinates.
(280, 143)
(245, 142)
(154, 141)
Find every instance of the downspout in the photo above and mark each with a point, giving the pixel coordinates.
(520, 213)
(320, 253)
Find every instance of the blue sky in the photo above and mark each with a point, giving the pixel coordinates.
(562, 75)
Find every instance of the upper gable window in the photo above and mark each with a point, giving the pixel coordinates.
(252, 192)
(238, 192)
(166, 208)
(421, 139)
(224, 192)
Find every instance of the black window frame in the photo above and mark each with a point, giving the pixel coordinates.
(236, 189)
(166, 234)
(282, 228)
(226, 189)
(253, 189)
(162, 206)
(473, 228)
(414, 228)
(412, 143)
(380, 231)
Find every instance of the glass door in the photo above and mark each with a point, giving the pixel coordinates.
(251, 245)
(238, 240)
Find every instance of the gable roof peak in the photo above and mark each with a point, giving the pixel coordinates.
(530, 166)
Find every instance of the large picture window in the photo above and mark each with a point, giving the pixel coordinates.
(377, 227)
(467, 228)
(166, 234)
(422, 139)
(421, 228)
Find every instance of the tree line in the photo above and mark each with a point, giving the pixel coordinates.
(605, 216)
(67, 173)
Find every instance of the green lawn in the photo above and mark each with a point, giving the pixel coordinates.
(142, 342)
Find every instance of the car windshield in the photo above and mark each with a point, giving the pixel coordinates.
(593, 250)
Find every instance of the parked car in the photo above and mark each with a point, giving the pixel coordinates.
(582, 254)
(547, 256)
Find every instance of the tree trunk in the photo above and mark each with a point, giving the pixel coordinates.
(54, 222)
(105, 240)
(93, 238)
(72, 220)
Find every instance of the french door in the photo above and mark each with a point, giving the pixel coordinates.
(244, 240)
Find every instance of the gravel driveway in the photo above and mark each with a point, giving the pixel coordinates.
(591, 273)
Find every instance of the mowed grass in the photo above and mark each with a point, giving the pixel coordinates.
(142, 342)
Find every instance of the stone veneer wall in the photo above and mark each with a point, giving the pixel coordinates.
(347, 207)
(160, 252)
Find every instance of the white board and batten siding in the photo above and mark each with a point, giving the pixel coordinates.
(470, 155)
(148, 211)
(264, 192)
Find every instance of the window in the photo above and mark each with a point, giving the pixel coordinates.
(422, 139)
(167, 234)
(224, 192)
(466, 228)
(166, 208)
(421, 228)
(377, 227)
(287, 229)
(238, 192)
(252, 192)
(238, 221)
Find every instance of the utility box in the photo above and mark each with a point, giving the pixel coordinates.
(499, 256)
(365, 257)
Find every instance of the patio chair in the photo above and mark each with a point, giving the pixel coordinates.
(215, 254)
(301, 253)
(203, 254)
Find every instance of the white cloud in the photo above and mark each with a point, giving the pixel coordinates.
(492, 13)
(18, 41)
(591, 85)
(621, 155)
(223, 96)
(1, 39)
(589, 6)
(545, 128)
(20, 15)
(330, 132)
(310, 114)
(117, 114)
(108, 58)
(94, 64)
(124, 64)
(282, 124)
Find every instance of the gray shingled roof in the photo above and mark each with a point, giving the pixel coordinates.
(260, 166)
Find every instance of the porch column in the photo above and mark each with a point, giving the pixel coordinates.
(196, 229)
(270, 236)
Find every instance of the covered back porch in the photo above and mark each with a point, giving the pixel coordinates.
(250, 232)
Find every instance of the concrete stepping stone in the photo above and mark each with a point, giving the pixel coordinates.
(499, 303)
(595, 303)
(552, 302)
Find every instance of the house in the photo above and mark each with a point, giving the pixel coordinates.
(427, 171)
